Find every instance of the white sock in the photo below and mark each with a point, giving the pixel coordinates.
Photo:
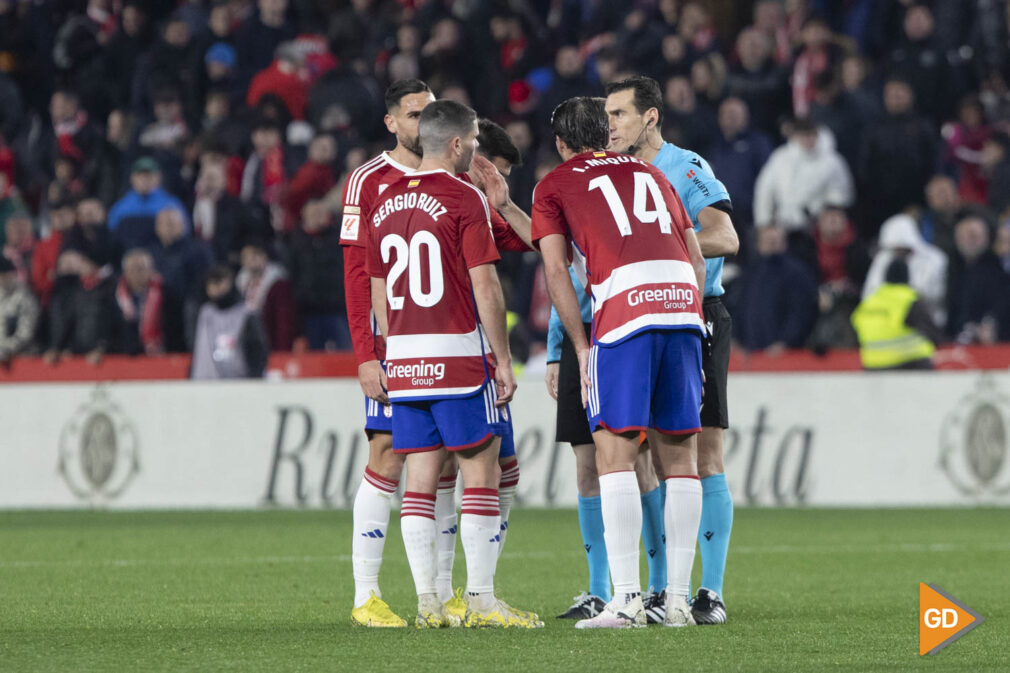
(370, 521)
(506, 495)
(417, 523)
(446, 525)
(682, 518)
(479, 529)
(621, 505)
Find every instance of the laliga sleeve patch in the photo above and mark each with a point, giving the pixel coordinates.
(349, 227)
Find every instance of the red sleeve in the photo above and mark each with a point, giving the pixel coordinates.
(476, 239)
(505, 237)
(672, 199)
(547, 217)
(358, 298)
(354, 211)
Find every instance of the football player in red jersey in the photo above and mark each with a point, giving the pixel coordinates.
(438, 301)
(644, 270)
(404, 102)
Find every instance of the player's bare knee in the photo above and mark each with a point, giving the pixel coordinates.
(381, 458)
(479, 466)
(646, 472)
(710, 452)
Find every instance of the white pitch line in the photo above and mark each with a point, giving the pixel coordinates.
(908, 548)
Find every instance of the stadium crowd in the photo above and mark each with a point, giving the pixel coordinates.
(147, 145)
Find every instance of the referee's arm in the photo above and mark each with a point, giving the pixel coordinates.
(717, 237)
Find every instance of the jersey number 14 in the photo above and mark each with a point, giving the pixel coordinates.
(645, 187)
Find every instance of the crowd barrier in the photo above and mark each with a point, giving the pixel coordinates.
(799, 438)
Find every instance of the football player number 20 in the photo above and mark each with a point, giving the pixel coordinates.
(645, 189)
(408, 258)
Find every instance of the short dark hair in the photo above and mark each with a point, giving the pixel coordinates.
(804, 125)
(897, 272)
(495, 142)
(581, 123)
(442, 121)
(217, 273)
(647, 94)
(404, 87)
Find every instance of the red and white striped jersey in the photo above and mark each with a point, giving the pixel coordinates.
(629, 224)
(366, 183)
(426, 232)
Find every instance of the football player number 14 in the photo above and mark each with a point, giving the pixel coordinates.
(408, 258)
(645, 188)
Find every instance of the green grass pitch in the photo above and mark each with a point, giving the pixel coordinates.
(807, 590)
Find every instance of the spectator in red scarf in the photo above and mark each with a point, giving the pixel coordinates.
(83, 316)
(44, 258)
(71, 135)
(842, 260)
(263, 178)
(963, 149)
(842, 263)
(286, 78)
(313, 180)
(139, 296)
(267, 291)
(818, 54)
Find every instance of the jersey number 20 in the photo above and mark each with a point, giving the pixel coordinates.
(408, 256)
(645, 185)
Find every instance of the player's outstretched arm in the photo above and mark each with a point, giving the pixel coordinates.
(497, 191)
(554, 248)
(717, 237)
(697, 259)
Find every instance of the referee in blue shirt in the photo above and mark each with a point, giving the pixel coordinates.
(635, 110)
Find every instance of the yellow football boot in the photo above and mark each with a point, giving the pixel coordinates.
(431, 614)
(499, 614)
(455, 608)
(375, 613)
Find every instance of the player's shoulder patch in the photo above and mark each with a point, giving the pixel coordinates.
(350, 223)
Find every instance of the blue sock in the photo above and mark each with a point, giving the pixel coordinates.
(654, 537)
(713, 534)
(591, 525)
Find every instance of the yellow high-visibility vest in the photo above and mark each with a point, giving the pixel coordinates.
(885, 340)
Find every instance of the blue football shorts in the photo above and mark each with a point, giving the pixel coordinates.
(651, 380)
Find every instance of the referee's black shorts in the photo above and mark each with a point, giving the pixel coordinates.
(573, 424)
(715, 363)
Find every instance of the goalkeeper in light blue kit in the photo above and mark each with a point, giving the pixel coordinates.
(635, 111)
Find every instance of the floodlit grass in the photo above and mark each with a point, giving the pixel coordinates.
(807, 590)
